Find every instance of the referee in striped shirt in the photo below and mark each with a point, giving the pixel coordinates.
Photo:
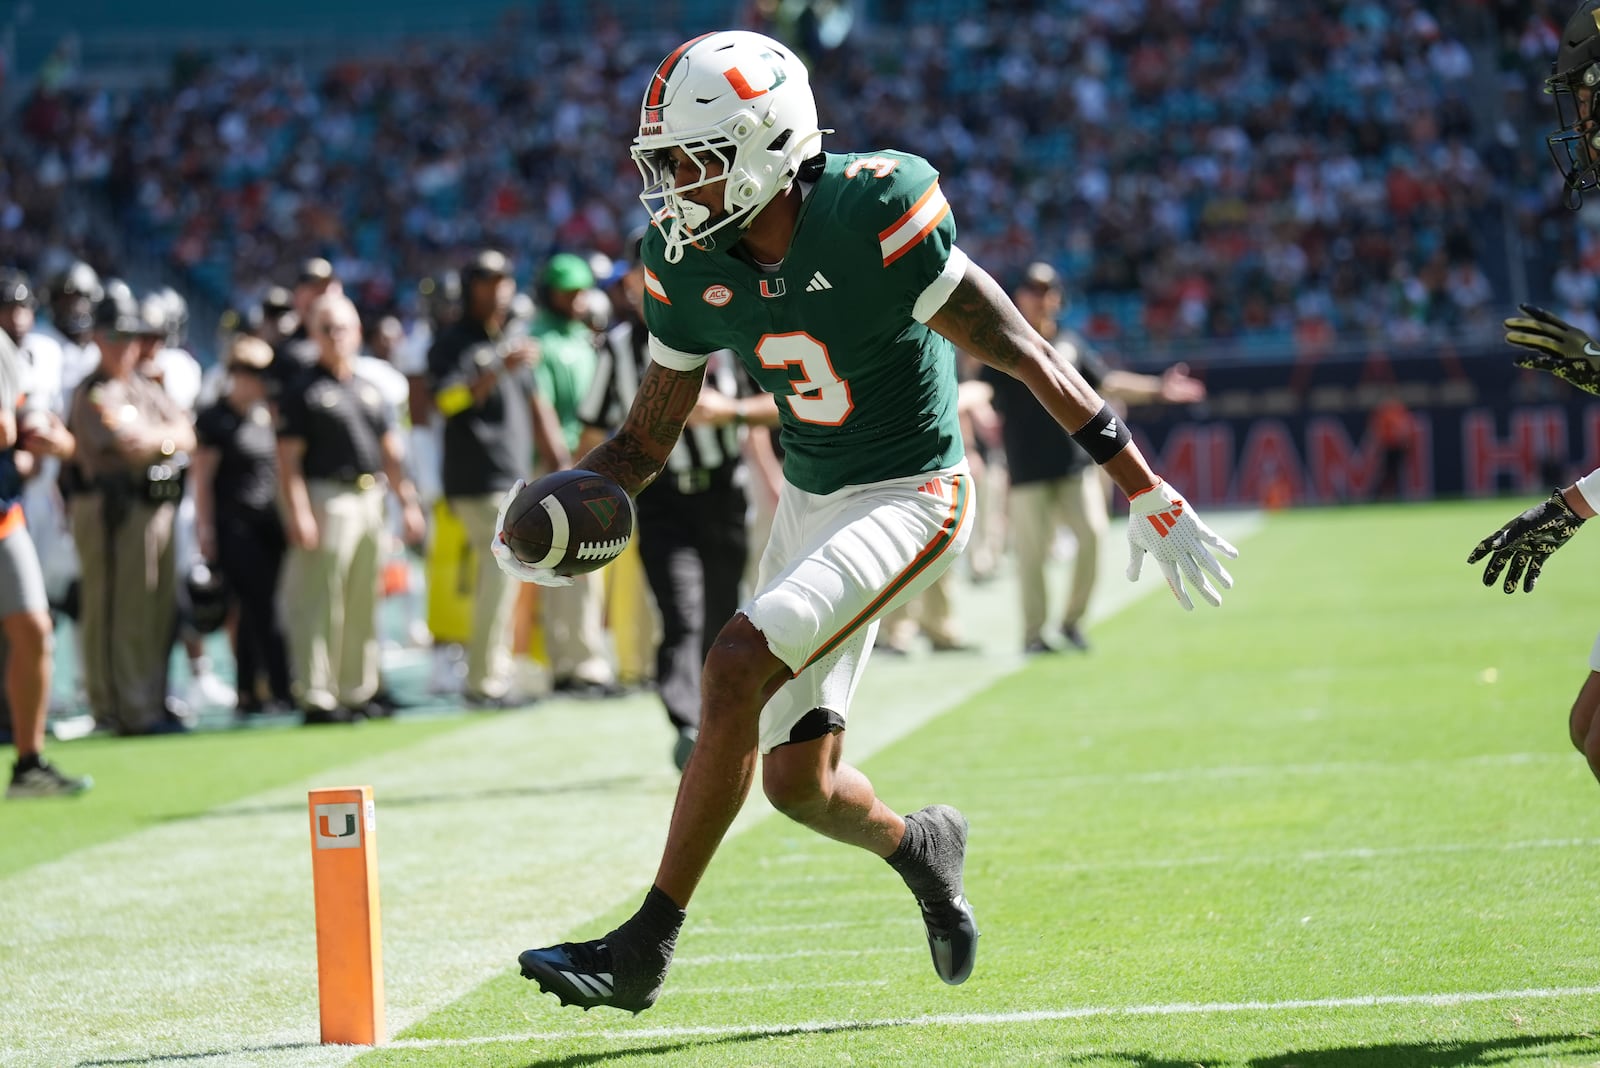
(693, 520)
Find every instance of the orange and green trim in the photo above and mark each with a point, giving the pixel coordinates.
(658, 81)
(924, 559)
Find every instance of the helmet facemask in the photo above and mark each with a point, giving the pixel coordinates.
(1575, 147)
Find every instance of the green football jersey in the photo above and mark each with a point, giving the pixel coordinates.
(865, 391)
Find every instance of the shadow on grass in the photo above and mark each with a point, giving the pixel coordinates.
(579, 1060)
(179, 1058)
(586, 786)
(1434, 1054)
(1408, 1055)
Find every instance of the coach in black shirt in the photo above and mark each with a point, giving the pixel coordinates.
(482, 380)
(335, 437)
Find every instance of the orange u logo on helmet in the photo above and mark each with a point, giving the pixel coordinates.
(746, 91)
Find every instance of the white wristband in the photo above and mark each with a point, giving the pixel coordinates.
(1594, 655)
(1589, 487)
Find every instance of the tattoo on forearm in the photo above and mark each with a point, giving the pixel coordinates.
(663, 404)
(639, 450)
(623, 461)
(979, 317)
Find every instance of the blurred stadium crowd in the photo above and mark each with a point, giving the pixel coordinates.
(1208, 175)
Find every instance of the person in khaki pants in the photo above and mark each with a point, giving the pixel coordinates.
(336, 436)
(1054, 483)
(574, 627)
(482, 381)
(133, 441)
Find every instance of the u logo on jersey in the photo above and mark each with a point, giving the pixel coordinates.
(772, 287)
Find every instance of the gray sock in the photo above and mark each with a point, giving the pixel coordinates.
(930, 856)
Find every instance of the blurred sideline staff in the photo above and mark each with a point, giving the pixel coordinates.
(336, 436)
(73, 293)
(238, 528)
(297, 352)
(574, 630)
(438, 306)
(27, 431)
(1054, 483)
(133, 445)
(41, 366)
(483, 388)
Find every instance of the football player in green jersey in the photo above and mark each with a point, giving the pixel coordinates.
(838, 282)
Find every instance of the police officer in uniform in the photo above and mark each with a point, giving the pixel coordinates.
(133, 442)
(336, 437)
(693, 519)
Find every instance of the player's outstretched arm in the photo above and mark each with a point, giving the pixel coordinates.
(638, 451)
(1556, 346)
(1521, 547)
(980, 318)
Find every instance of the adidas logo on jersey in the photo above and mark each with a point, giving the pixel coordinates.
(818, 283)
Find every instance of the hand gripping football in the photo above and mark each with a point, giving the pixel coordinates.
(571, 522)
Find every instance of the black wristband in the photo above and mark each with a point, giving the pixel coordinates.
(1103, 436)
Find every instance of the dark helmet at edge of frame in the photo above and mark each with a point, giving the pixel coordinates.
(1575, 82)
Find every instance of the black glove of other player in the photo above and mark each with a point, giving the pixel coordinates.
(1555, 346)
(1526, 543)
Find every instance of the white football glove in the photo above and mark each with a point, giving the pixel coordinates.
(507, 560)
(1162, 524)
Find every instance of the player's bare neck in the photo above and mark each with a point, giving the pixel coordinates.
(767, 240)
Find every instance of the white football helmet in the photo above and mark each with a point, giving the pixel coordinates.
(735, 97)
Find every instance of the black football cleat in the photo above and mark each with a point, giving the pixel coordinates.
(952, 928)
(952, 938)
(584, 974)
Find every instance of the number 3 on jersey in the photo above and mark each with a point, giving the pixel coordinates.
(820, 395)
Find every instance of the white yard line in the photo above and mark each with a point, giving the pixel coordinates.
(1315, 856)
(991, 1019)
(1305, 770)
(196, 937)
(1306, 856)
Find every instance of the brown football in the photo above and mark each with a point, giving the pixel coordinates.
(571, 522)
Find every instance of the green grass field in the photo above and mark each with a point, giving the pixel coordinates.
(1336, 824)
